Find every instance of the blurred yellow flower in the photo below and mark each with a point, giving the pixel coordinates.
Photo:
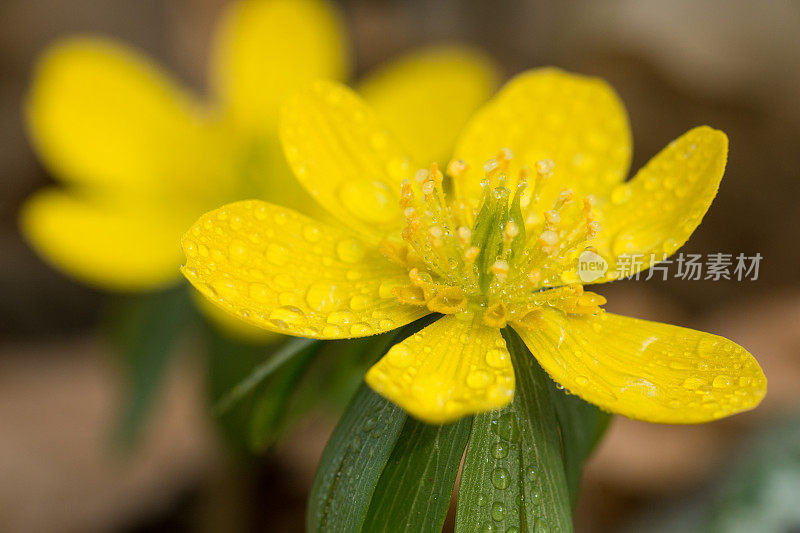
(495, 246)
(140, 157)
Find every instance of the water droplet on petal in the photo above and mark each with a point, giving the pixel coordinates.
(370, 201)
(350, 250)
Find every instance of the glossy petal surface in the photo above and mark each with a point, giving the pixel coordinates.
(110, 244)
(657, 211)
(427, 96)
(448, 370)
(233, 326)
(279, 270)
(647, 370)
(345, 158)
(98, 113)
(267, 49)
(577, 121)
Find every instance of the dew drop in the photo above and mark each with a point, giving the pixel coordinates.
(324, 297)
(312, 233)
(287, 315)
(500, 478)
(361, 329)
(498, 358)
(277, 254)
(499, 450)
(721, 382)
(400, 356)
(506, 427)
(693, 383)
(359, 302)
(498, 511)
(621, 193)
(478, 379)
(350, 250)
(341, 318)
(331, 331)
(370, 200)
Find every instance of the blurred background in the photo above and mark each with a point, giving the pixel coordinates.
(732, 64)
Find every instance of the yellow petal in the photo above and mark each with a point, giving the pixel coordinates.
(233, 326)
(281, 271)
(267, 49)
(98, 113)
(577, 121)
(647, 370)
(345, 158)
(108, 244)
(427, 96)
(657, 211)
(450, 369)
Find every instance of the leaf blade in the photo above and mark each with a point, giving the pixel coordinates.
(513, 474)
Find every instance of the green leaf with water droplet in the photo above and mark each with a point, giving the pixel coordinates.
(416, 486)
(513, 475)
(352, 463)
(582, 427)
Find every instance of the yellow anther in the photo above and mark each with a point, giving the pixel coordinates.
(409, 212)
(464, 235)
(524, 173)
(510, 231)
(490, 166)
(552, 218)
(581, 303)
(409, 294)
(422, 175)
(593, 229)
(449, 300)
(436, 174)
(472, 253)
(428, 187)
(394, 251)
(548, 238)
(505, 154)
(496, 315)
(456, 168)
(544, 168)
(499, 268)
(565, 198)
(406, 194)
(532, 320)
(419, 278)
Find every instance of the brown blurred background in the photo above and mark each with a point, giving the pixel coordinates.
(732, 64)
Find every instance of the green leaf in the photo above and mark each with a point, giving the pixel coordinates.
(148, 328)
(582, 427)
(352, 463)
(271, 415)
(292, 348)
(416, 486)
(513, 474)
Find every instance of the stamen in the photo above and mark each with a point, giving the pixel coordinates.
(465, 259)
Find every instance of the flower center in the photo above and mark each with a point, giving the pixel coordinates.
(504, 259)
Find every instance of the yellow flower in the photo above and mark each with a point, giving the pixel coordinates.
(496, 245)
(140, 158)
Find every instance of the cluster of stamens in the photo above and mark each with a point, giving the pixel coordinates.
(505, 257)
